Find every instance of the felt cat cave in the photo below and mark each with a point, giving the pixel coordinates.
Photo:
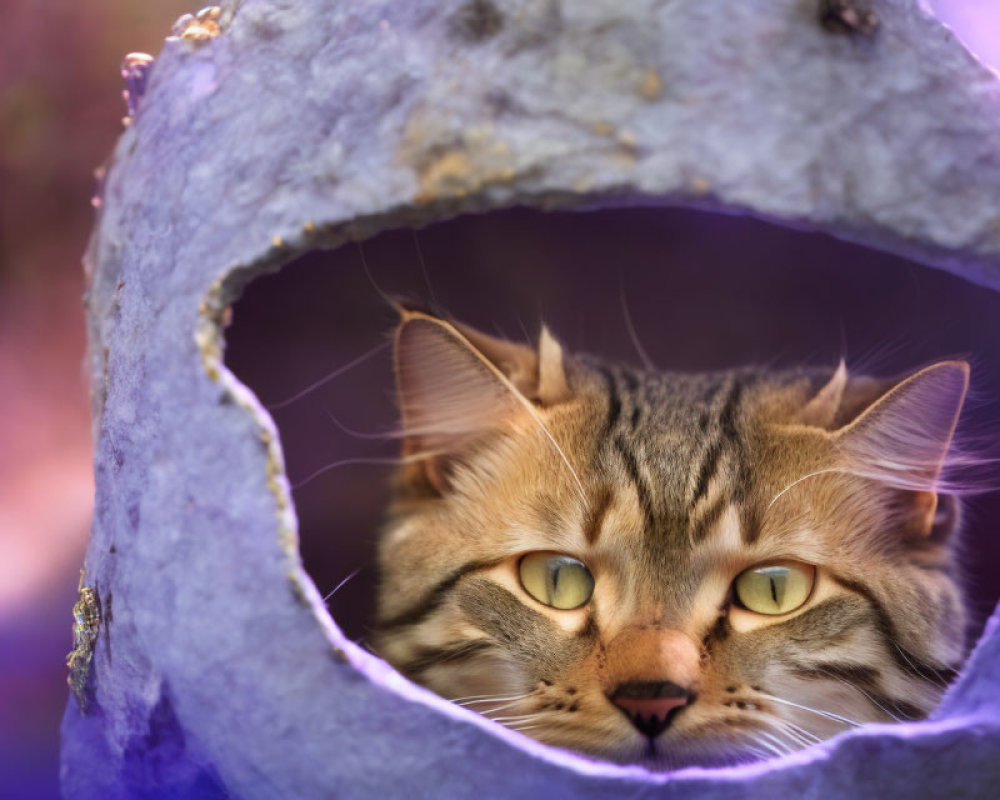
(206, 664)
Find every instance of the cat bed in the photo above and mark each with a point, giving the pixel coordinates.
(206, 664)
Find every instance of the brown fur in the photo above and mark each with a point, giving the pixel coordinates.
(667, 487)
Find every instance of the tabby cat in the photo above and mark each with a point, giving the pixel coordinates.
(664, 568)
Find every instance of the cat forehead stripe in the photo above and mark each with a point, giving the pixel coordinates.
(725, 435)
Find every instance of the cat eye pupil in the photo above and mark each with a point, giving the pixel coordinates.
(556, 580)
(777, 578)
(774, 588)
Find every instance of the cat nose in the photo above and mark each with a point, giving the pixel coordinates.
(650, 705)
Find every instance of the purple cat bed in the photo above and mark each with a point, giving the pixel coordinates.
(207, 665)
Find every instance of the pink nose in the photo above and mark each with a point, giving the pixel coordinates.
(650, 705)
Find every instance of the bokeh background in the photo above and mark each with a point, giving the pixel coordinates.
(733, 290)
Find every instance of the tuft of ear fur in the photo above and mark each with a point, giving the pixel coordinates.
(903, 438)
(456, 384)
(821, 410)
(552, 385)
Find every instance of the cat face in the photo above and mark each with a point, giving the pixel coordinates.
(662, 568)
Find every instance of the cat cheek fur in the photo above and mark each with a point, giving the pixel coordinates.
(667, 486)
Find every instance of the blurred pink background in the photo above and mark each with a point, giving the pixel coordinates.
(60, 111)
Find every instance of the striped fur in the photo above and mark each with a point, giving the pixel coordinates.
(686, 481)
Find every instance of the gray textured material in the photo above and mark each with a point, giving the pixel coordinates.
(216, 669)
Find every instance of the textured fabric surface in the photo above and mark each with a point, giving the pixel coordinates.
(215, 670)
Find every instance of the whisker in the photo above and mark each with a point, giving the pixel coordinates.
(323, 381)
(827, 714)
(489, 711)
(782, 732)
(521, 728)
(796, 482)
(363, 461)
(389, 301)
(768, 749)
(858, 689)
(423, 268)
(647, 362)
(802, 737)
(763, 755)
(384, 437)
(805, 734)
(486, 698)
(936, 680)
(516, 718)
(781, 746)
(527, 405)
(340, 585)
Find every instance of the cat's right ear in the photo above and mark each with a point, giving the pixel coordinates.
(456, 384)
(903, 439)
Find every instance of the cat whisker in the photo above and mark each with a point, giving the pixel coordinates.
(827, 714)
(485, 701)
(758, 753)
(796, 734)
(803, 733)
(487, 698)
(423, 267)
(341, 585)
(781, 733)
(781, 746)
(521, 728)
(861, 691)
(768, 749)
(647, 362)
(936, 680)
(325, 380)
(523, 401)
(382, 437)
(488, 711)
(517, 719)
(796, 482)
(392, 462)
(799, 742)
(784, 747)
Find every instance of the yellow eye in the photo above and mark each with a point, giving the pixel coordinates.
(556, 580)
(775, 588)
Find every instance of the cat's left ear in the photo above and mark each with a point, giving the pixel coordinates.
(903, 438)
(456, 384)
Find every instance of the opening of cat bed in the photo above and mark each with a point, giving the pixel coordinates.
(699, 292)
